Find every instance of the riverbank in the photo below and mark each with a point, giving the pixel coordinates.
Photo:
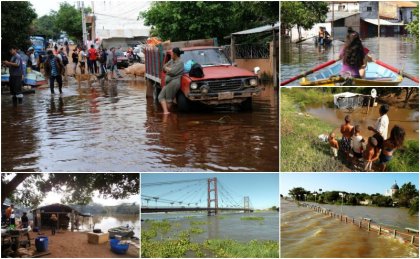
(66, 244)
(171, 239)
(302, 151)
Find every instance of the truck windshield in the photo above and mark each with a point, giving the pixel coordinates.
(37, 42)
(206, 57)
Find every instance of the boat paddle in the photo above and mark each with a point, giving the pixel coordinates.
(396, 70)
(319, 67)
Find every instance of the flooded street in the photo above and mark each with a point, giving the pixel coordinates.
(305, 233)
(406, 118)
(88, 130)
(395, 51)
(223, 226)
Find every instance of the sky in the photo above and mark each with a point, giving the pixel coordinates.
(348, 182)
(43, 7)
(262, 188)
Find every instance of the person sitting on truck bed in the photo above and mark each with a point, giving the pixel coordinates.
(174, 70)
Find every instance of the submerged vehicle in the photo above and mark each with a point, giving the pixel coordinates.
(376, 75)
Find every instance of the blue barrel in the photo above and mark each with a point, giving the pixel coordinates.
(41, 243)
(118, 248)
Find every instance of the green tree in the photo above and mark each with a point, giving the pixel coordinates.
(298, 193)
(69, 19)
(303, 14)
(76, 188)
(413, 27)
(414, 207)
(16, 18)
(178, 21)
(46, 25)
(406, 194)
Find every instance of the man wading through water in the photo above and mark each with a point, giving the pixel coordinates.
(16, 73)
(174, 70)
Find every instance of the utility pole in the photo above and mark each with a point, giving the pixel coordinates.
(83, 24)
(93, 23)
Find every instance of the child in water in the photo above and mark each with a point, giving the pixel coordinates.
(333, 144)
(370, 154)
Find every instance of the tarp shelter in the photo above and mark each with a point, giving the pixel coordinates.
(66, 216)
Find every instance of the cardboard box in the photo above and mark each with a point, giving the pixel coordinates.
(97, 238)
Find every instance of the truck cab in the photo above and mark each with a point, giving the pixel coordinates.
(223, 83)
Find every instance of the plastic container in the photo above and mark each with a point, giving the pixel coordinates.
(118, 248)
(41, 243)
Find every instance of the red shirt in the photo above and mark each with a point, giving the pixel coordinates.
(92, 54)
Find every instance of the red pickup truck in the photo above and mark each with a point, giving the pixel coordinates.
(223, 83)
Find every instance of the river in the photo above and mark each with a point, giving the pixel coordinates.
(223, 226)
(305, 233)
(396, 51)
(86, 130)
(404, 117)
(105, 222)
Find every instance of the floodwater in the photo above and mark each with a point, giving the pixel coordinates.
(395, 51)
(404, 117)
(105, 222)
(305, 233)
(88, 129)
(223, 226)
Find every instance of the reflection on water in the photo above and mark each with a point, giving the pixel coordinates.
(305, 233)
(105, 222)
(223, 226)
(396, 51)
(406, 118)
(96, 129)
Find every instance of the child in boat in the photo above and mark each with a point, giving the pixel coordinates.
(395, 141)
(357, 143)
(354, 56)
(370, 154)
(347, 131)
(333, 144)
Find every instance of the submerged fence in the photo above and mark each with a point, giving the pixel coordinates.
(367, 224)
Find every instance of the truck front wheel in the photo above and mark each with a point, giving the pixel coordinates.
(183, 103)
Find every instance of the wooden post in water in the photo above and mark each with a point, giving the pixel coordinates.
(369, 226)
(341, 217)
(346, 219)
(352, 221)
(412, 239)
(395, 233)
(360, 224)
(379, 232)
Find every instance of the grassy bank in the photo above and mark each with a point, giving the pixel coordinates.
(180, 245)
(301, 151)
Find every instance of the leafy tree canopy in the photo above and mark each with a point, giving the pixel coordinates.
(75, 188)
(178, 21)
(303, 14)
(69, 19)
(16, 17)
(413, 27)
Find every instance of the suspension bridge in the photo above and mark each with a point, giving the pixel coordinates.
(206, 194)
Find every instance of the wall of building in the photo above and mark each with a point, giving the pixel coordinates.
(363, 8)
(350, 6)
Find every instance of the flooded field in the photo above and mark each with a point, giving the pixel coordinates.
(105, 222)
(305, 233)
(223, 226)
(406, 118)
(89, 130)
(396, 51)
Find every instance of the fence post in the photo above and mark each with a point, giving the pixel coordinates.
(360, 224)
(395, 233)
(379, 232)
(412, 239)
(352, 221)
(346, 219)
(369, 226)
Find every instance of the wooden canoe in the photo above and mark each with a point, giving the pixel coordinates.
(376, 75)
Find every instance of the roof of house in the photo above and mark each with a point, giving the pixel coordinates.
(339, 15)
(260, 29)
(383, 22)
(56, 207)
(406, 4)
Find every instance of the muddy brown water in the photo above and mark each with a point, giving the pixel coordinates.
(305, 233)
(404, 117)
(89, 130)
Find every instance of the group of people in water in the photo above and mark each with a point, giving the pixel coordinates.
(376, 148)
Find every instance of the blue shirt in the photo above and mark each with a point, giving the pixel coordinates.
(54, 68)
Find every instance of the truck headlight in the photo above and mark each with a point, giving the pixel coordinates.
(194, 86)
(253, 82)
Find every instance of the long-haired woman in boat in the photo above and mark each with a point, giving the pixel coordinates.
(354, 56)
